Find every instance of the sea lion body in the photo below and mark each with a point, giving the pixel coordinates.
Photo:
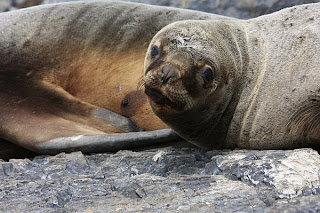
(251, 84)
(63, 65)
(283, 110)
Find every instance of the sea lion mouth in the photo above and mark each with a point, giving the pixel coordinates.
(158, 97)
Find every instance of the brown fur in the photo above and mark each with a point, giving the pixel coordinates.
(60, 102)
(112, 78)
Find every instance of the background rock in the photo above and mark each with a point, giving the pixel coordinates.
(243, 9)
(25, 3)
(5, 5)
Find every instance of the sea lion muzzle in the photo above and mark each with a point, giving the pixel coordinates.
(167, 72)
(157, 96)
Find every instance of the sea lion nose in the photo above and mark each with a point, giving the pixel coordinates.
(167, 72)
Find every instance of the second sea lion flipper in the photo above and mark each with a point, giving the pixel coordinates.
(106, 142)
(119, 121)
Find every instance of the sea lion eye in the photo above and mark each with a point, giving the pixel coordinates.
(207, 75)
(154, 51)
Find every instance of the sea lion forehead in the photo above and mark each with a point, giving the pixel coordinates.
(196, 40)
(183, 51)
(182, 34)
(188, 44)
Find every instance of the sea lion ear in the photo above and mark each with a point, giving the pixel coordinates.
(154, 51)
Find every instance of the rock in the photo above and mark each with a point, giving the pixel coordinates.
(9, 5)
(302, 204)
(280, 4)
(5, 5)
(164, 179)
(25, 3)
(243, 9)
(239, 9)
(9, 150)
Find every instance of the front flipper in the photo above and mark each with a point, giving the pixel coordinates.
(119, 121)
(106, 142)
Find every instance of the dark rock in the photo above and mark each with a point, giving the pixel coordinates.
(9, 150)
(25, 3)
(302, 204)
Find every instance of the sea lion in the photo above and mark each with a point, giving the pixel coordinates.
(252, 84)
(69, 75)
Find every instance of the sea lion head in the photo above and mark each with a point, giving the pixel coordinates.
(191, 72)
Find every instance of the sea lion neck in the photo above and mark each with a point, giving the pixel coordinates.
(252, 46)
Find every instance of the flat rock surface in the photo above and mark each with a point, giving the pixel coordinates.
(164, 180)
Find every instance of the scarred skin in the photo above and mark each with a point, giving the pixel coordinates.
(251, 84)
(62, 65)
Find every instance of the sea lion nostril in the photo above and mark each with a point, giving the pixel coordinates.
(167, 72)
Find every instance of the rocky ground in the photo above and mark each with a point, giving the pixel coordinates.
(177, 178)
(167, 179)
